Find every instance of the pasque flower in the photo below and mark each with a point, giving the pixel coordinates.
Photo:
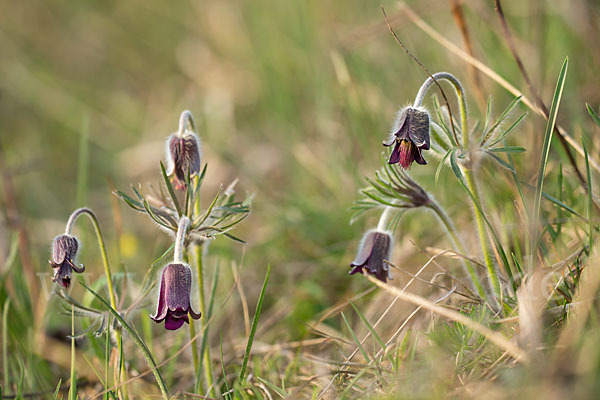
(374, 248)
(174, 297)
(182, 150)
(64, 251)
(410, 134)
(176, 285)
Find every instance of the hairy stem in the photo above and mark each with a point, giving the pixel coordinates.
(384, 218)
(107, 273)
(206, 358)
(460, 95)
(184, 223)
(482, 232)
(459, 247)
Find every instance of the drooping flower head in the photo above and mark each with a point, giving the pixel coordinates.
(375, 247)
(64, 251)
(410, 134)
(182, 150)
(174, 296)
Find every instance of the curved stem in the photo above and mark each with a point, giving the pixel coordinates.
(184, 223)
(459, 247)
(71, 222)
(186, 122)
(107, 273)
(460, 95)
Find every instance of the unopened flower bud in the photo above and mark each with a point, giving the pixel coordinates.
(183, 151)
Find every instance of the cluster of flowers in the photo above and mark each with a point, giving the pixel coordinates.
(183, 162)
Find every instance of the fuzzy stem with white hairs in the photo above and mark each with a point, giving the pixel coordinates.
(107, 273)
(467, 170)
(384, 218)
(460, 94)
(184, 223)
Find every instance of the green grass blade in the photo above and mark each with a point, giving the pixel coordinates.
(56, 391)
(547, 141)
(373, 332)
(274, 388)
(590, 203)
(355, 338)
(593, 114)
(254, 325)
(138, 341)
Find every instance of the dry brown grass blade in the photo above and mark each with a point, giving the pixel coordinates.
(461, 23)
(435, 35)
(515, 351)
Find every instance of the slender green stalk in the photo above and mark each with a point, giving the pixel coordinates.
(107, 273)
(73, 388)
(468, 172)
(482, 232)
(192, 328)
(206, 357)
(458, 246)
(109, 282)
(5, 341)
(194, 345)
(137, 340)
(106, 360)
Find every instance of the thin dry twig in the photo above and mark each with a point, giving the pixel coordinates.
(424, 69)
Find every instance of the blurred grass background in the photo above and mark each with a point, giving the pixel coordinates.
(292, 98)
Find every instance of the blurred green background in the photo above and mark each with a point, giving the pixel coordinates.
(291, 97)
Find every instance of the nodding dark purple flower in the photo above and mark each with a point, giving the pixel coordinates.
(410, 134)
(64, 250)
(374, 248)
(182, 153)
(174, 297)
